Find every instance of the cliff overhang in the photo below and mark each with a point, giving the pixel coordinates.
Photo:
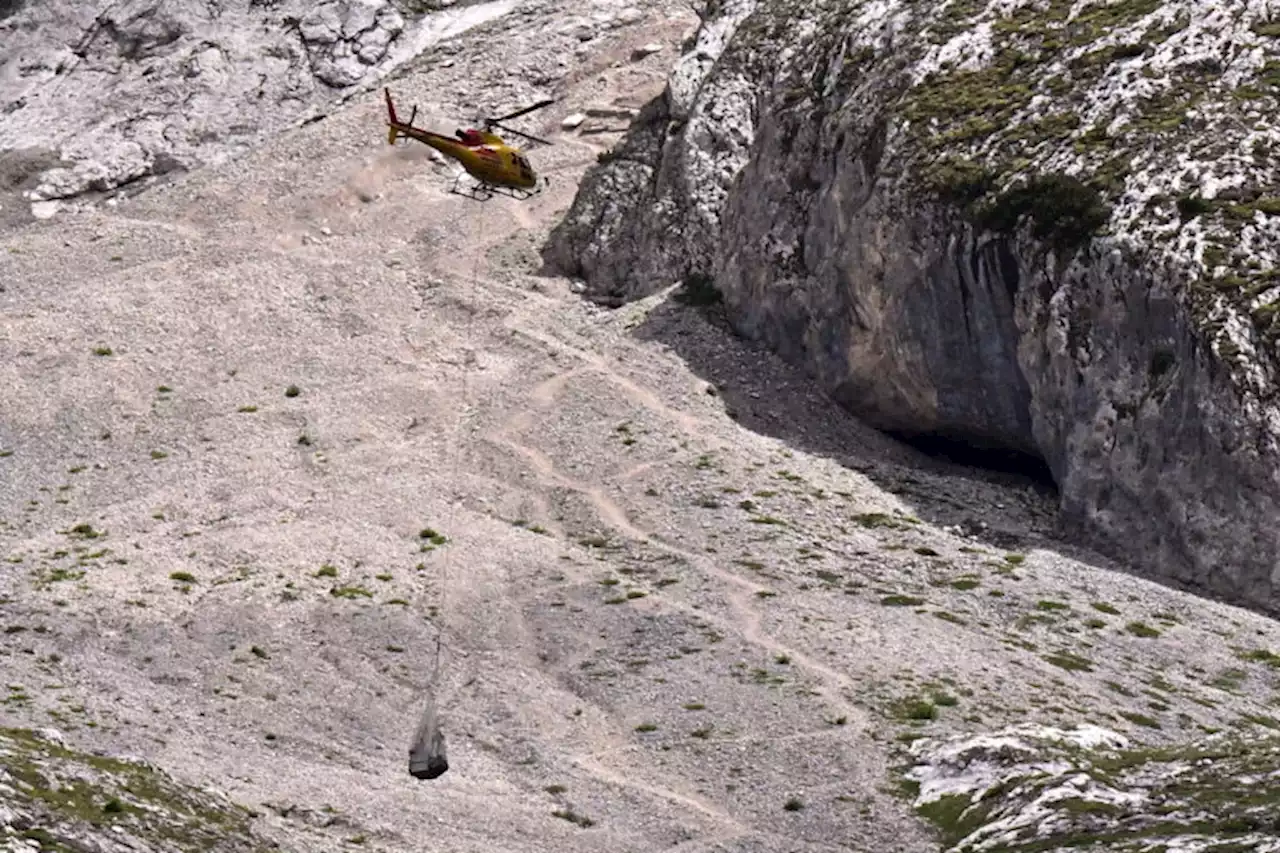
(1049, 227)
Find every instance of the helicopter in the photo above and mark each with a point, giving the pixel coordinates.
(498, 167)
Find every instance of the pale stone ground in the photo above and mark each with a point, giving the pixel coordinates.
(602, 571)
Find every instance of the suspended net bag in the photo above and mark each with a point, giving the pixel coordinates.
(427, 757)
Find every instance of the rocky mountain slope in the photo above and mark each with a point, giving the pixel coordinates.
(273, 428)
(109, 93)
(1049, 228)
(56, 799)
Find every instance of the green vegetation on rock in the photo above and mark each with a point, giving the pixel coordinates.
(1093, 790)
(61, 800)
(1052, 89)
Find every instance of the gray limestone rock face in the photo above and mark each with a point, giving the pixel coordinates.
(125, 91)
(649, 213)
(1017, 226)
(345, 37)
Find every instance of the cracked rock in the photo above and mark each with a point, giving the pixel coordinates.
(345, 37)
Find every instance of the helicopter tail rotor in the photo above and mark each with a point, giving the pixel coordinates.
(395, 128)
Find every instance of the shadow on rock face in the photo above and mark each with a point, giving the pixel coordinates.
(20, 168)
(9, 7)
(1004, 499)
(976, 452)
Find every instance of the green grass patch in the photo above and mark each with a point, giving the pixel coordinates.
(901, 601)
(1069, 661)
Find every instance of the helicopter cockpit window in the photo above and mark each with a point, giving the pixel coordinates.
(522, 164)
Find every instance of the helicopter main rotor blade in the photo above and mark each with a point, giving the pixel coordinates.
(539, 105)
(522, 133)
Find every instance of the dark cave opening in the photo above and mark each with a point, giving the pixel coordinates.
(1004, 462)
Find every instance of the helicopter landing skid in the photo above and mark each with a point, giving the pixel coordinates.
(467, 187)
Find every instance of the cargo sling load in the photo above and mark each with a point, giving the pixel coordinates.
(427, 757)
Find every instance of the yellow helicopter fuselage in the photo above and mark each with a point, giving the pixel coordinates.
(485, 156)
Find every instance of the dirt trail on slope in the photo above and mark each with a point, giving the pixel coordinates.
(287, 562)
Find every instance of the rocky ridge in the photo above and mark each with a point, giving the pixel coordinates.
(1047, 227)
